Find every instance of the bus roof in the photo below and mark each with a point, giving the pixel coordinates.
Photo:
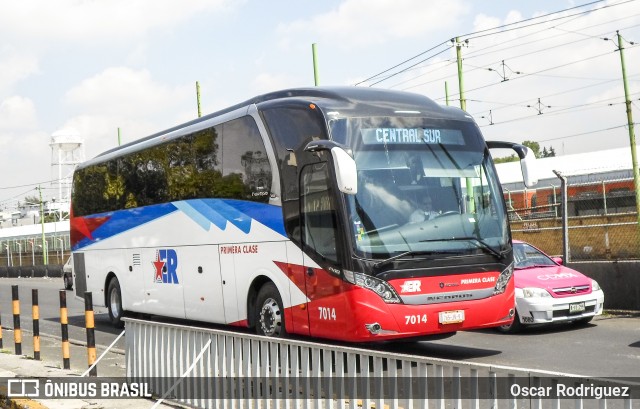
(372, 101)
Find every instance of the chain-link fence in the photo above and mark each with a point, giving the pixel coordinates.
(29, 251)
(601, 219)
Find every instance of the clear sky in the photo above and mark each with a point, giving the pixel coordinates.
(96, 65)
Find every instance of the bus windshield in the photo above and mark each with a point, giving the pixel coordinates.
(425, 187)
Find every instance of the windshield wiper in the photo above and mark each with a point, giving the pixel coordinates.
(534, 266)
(482, 244)
(407, 253)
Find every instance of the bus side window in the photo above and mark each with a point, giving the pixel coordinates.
(318, 213)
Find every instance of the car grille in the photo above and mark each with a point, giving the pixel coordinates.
(578, 289)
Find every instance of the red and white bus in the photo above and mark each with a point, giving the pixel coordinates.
(355, 214)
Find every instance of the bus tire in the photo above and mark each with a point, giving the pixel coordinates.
(114, 303)
(270, 312)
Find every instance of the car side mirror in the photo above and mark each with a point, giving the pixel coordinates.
(558, 260)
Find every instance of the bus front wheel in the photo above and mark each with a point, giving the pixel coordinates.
(114, 303)
(270, 312)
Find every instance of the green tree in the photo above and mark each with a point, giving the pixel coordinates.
(534, 146)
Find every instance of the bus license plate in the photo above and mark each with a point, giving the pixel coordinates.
(576, 308)
(451, 317)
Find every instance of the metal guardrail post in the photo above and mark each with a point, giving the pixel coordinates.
(566, 253)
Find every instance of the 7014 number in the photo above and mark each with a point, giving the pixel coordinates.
(415, 319)
(327, 313)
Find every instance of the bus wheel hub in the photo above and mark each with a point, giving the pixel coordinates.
(270, 317)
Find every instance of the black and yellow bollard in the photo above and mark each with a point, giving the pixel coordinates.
(17, 332)
(91, 335)
(64, 326)
(35, 314)
(1, 332)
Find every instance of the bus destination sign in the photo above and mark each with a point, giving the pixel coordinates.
(402, 136)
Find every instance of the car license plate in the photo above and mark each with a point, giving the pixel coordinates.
(451, 317)
(576, 308)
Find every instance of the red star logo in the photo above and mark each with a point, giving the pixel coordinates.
(158, 264)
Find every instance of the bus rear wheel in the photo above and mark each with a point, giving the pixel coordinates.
(114, 303)
(270, 312)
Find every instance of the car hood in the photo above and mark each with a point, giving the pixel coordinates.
(553, 279)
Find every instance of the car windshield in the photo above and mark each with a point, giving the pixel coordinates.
(527, 256)
(424, 186)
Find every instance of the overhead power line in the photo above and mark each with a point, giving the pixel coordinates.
(492, 31)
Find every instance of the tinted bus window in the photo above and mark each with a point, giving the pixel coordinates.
(227, 161)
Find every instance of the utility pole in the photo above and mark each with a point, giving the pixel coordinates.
(446, 92)
(463, 101)
(471, 205)
(316, 74)
(119, 137)
(632, 136)
(198, 98)
(45, 255)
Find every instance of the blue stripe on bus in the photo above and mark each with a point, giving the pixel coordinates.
(204, 212)
(269, 215)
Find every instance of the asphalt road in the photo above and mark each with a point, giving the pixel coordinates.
(608, 347)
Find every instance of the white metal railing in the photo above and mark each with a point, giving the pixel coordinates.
(209, 368)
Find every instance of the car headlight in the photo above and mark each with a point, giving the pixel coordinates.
(595, 286)
(503, 280)
(380, 287)
(533, 292)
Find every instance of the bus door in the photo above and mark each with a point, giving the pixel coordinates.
(133, 280)
(202, 283)
(320, 235)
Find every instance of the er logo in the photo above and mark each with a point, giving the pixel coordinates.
(412, 286)
(166, 264)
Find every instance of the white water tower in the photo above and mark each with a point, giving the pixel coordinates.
(67, 151)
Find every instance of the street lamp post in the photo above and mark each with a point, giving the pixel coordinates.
(45, 251)
(61, 248)
(19, 251)
(33, 252)
(8, 247)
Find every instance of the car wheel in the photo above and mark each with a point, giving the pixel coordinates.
(270, 312)
(68, 283)
(114, 303)
(512, 328)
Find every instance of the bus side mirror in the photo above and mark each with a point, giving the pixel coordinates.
(527, 164)
(527, 160)
(343, 163)
(346, 171)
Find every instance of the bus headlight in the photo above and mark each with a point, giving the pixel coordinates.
(380, 287)
(503, 280)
